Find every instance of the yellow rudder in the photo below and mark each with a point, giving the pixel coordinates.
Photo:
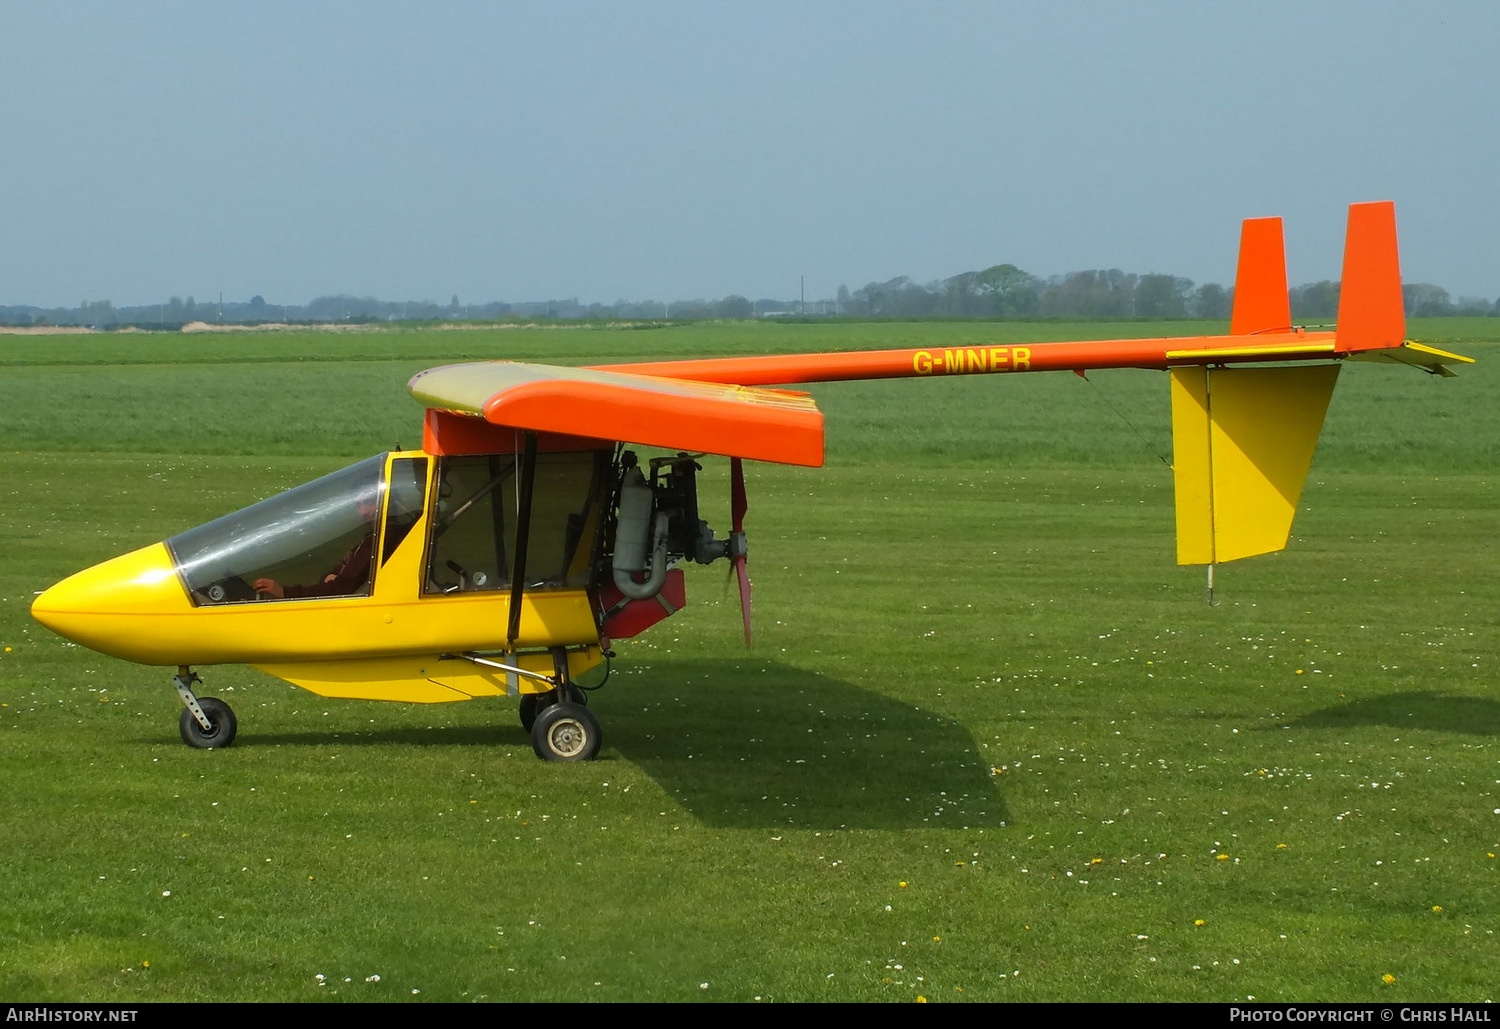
(1243, 440)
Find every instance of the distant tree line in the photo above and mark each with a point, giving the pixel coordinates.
(1006, 291)
(1001, 291)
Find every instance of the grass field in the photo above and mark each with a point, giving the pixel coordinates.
(991, 743)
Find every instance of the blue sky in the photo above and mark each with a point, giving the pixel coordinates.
(522, 151)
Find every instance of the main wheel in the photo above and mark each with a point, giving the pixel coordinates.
(566, 732)
(222, 718)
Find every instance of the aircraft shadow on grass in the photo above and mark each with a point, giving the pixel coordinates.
(755, 743)
(1418, 709)
(759, 744)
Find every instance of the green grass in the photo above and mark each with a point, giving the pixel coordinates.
(977, 673)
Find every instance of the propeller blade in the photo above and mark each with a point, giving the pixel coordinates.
(738, 505)
(743, 575)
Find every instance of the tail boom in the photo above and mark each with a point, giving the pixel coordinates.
(1158, 353)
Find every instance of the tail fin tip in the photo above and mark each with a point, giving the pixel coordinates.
(1261, 301)
(1372, 312)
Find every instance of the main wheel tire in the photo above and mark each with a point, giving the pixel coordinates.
(566, 732)
(224, 725)
(532, 704)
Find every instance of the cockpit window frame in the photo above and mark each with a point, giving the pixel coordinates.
(563, 542)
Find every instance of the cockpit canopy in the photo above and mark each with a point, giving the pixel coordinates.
(317, 540)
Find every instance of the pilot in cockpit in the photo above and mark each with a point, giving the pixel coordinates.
(352, 575)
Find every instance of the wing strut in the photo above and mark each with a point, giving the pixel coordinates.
(523, 535)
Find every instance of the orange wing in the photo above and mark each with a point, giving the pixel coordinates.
(737, 421)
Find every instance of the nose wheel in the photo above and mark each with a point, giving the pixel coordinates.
(221, 728)
(207, 722)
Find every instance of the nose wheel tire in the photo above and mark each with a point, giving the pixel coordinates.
(566, 732)
(221, 733)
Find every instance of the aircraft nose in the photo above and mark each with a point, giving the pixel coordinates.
(113, 607)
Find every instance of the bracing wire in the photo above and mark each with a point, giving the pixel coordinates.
(1145, 441)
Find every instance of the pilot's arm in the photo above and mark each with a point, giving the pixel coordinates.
(350, 577)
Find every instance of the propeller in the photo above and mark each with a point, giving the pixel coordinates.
(738, 504)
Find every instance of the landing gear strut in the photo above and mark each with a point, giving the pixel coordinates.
(562, 727)
(206, 722)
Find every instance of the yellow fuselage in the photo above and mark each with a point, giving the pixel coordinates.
(387, 645)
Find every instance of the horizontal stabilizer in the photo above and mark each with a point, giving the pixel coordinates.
(1242, 441)
(1418, 355)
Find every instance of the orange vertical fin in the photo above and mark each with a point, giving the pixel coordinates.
(1372, 315)
(1261, 302)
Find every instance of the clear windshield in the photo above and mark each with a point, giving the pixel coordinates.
(317, 540)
